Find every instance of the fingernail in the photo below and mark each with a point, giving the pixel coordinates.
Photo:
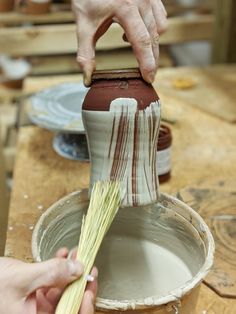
(87, 75)
(151, 77)
(75, 267)
(72, 254)
(94, 272)
(87, 80)
(90, 278)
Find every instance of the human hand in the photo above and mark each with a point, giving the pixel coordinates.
(142, 20)
(37, 287)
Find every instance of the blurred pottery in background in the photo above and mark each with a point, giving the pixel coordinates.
(13, 72)
(6, 5)
(13, 84)
(164, 153)
(34, 6)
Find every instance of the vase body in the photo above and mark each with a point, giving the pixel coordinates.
(121, 116)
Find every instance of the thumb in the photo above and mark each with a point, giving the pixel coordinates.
(57, 272)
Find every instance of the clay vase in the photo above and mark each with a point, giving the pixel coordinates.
(121, 116)
(13, 84)
(34, 7)
(7, 5)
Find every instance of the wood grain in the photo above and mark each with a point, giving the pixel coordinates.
(216, 203)
(224, 47)
(113, 59)
(38, 183)
(211, 303)
(213, 91)
(4, 201)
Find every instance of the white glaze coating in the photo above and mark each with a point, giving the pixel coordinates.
(122, 144)
(138, 268)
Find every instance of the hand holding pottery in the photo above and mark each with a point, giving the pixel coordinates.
(142, 20)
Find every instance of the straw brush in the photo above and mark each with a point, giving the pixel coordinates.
(104, 203)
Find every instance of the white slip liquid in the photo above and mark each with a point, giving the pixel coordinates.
(131, 268)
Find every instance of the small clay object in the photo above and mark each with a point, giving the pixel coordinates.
(7, 5)
(13, 83)
(183, 83)
(34, 7)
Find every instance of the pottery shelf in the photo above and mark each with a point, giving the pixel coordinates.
(60, 38)
(61, 13)
(51, 48)
(49, 42)
(8, 135)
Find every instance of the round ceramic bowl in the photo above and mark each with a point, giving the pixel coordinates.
(153, 258)
(13, 72)
(58, 108)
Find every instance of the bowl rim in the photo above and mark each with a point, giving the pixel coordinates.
(155, 300)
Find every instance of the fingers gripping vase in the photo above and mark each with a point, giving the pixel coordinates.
(121, 116)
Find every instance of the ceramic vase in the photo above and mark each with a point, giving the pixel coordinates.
(121, 116)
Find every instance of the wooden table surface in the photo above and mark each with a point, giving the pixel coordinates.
(203, 150)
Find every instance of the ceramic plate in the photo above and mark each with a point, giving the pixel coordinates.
(59, 108)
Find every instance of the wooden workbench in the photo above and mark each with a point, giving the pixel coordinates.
(203, 150)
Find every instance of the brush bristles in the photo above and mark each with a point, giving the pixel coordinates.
(104, 203)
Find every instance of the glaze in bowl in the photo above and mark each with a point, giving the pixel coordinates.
(152, 258)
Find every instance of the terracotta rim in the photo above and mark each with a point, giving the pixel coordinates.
(116, 74)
